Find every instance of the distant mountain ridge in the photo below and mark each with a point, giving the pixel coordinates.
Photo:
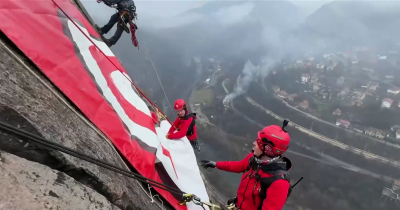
(355, 22)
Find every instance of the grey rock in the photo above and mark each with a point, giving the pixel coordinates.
(26, 185)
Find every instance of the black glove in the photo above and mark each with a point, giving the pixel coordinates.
(232, 201)
(208, 163)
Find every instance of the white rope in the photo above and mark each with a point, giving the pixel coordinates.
(155, 70)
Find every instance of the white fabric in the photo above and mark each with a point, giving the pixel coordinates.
(189, 179)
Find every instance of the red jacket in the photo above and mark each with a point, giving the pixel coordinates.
(182, 125)
(248, 194)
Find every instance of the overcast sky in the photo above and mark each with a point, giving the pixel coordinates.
(168, 8)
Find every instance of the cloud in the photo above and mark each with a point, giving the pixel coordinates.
(235, 13)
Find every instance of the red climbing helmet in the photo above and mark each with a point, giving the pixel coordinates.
(274, 140)
(179, 104)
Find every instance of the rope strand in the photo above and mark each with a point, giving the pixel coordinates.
(155, 70)
(32, 137)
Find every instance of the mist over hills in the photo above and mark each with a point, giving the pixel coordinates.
(354, 23)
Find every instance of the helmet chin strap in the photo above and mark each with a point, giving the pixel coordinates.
(258, 157)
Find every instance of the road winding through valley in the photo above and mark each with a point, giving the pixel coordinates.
(324, 158)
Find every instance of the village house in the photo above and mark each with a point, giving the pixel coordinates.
(305, 78)
(276, 88)
(320, 66)
(373, 85)
(358, 95)
(398, 134)
(398, 104)
(331, 67)
(394, 90)
(299, 61)
(356, 102)
(375, 133)
(310, 58)
(396, 185)
(382, 57)
(386, 103)
(395, 127)
(344, 123)
(282, 94)
(354, 61)
(343, 92)
(337, 112)
(304, 104)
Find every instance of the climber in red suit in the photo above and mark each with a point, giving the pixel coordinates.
(184, 125)
(265, 184)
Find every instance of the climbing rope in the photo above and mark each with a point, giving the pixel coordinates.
(49, 144)
(155, 70)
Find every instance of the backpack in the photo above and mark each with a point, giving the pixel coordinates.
(192, 124)
(265, 183)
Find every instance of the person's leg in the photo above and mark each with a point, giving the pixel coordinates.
(113, 20)
(114, 39)
(116, 36)
(195, 145)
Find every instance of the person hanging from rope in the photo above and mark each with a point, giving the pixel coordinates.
(265, 184)
(184, 125)
(126, 13)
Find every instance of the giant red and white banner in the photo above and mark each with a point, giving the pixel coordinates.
(65, 46)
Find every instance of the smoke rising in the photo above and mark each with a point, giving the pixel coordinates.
(248, 75)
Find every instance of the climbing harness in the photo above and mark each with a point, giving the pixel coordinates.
(196, 200)
(131, 16)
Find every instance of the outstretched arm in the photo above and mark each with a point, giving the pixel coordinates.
(182, 132)
(276, 195)
(173, 126)
(234, 166)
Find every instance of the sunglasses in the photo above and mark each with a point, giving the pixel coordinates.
(266, 141)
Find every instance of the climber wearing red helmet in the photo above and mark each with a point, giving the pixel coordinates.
(185, 124)
(265, 183)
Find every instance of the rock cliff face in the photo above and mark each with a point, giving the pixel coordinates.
(26, 103)
(26, 185)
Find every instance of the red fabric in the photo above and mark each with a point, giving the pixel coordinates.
(36, 34)
(182, 126)
(276, 193)
(154, 117)
(133, 32)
